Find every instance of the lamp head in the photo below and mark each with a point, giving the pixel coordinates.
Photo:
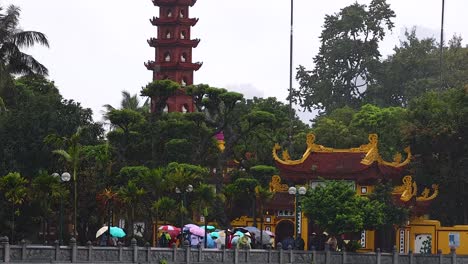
(189, 188)
(292, 190)
(65, 177)
(302, 190)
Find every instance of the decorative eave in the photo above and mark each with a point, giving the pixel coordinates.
(371, 150)
(162, 66)
(157, 21)
(409, 191)
(154, 42)
(173, 2)
(407, 195)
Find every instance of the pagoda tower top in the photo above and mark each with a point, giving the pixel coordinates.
(173, 50)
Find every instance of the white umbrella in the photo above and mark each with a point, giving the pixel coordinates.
(101, 231)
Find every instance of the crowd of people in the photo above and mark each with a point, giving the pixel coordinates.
(231, 240)
(226, 238)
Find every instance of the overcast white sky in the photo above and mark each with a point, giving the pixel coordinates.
(98, 47)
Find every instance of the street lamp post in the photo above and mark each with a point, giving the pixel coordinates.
(297, 204)
(65, 177)
(189, 189)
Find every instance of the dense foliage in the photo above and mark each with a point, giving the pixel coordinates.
(335, 207)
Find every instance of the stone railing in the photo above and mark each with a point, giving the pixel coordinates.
(134, 254)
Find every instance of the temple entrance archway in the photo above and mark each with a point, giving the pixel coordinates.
(284, 229)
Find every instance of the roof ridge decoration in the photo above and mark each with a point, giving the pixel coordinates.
(276, 186)
(409, 189)
(371, 149)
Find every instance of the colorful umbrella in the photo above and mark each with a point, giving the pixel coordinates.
(214, 235)
(197, 231)
(269, 233)
(101, 231)
(210, 243)
(168, 228)
(117, 232)
(114, 231)
(208, 227)
(190, 226)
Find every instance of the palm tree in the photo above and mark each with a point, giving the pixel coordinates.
(107, 198)
(72, 156)
(131, 196)
(13, 187)
(129, 102)
(12, 40)
(46, 189)
(204, 199)
(154, 184)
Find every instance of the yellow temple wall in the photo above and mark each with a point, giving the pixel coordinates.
(440, 237)
(443, 239)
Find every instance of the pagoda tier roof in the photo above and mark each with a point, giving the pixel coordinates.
(154, 42)
(162, 66)
(174, 2)
(158, 21)
(362, 164)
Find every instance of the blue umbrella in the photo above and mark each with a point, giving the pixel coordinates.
(210, 243)
(117, 232)
(209, 227)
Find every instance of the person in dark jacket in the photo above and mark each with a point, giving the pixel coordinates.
(289, 241)
(299, 243)
(314, 241)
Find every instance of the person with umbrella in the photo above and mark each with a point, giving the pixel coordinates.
(115, 232)
(164, 239)
(228, 239)
(244, 241)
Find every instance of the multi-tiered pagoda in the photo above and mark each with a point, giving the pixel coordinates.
(173, 50)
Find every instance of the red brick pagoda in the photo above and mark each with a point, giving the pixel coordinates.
(173, 50)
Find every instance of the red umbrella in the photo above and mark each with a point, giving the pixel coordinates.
(168, 228)
(171, 230)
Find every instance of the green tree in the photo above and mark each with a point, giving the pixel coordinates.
(242, 196)
(159, 91)
(131, 196)
(347, 59)
(346, 128)
(164, 209)
(129, 102)
(412, 70)
(204, 199)
(14, 189)
(438, 137)
(35, 110)
(154, 184)
(394, 215)
(12, 40)
(336, 208)
(126, 122)
(46, 190)
(72, 156)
